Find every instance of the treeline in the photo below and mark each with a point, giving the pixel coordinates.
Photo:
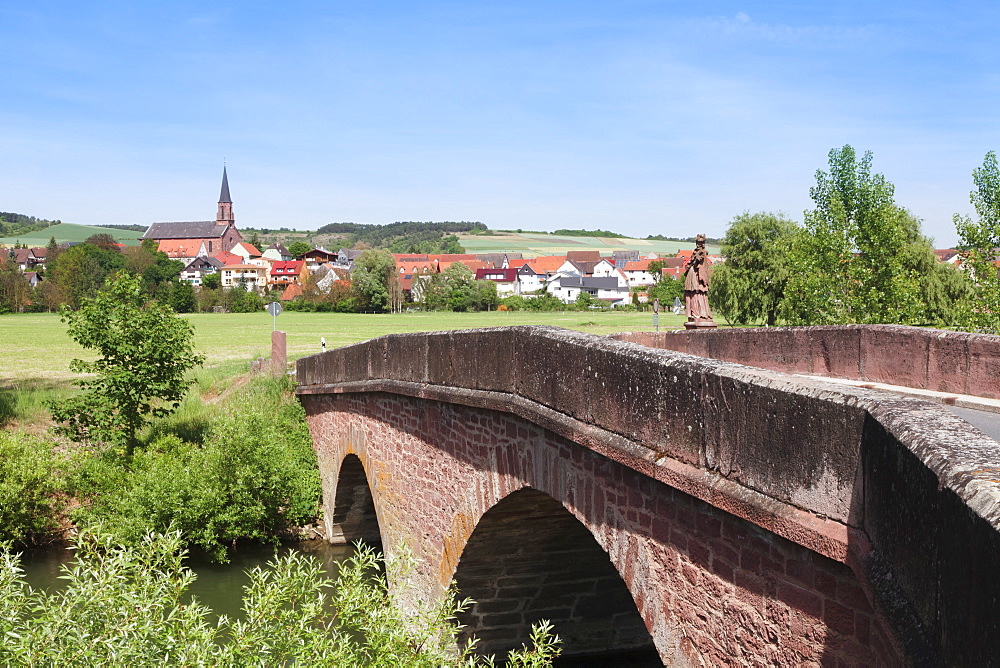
(74, 274)
(130, 228)
(589, 233)
(659, 237)
(860, 257)
(404, 237)
(17, 224)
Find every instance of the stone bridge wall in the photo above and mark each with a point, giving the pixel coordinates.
(899, 490)
(930, 359)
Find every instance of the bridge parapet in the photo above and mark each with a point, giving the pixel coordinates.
(902, 490)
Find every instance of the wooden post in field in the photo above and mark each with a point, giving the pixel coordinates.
(279, 353)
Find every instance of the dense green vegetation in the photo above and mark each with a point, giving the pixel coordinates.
(858, 257)
(17, 224)
(144, 351)
(127, 606)
(241, 468)
(980, 241)
(590, 233)
(403, 237)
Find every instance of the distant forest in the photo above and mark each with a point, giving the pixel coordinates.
(18, 224)
(712, 241)
(399, 237)
(130, 228)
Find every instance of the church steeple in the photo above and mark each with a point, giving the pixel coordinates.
(225, 214)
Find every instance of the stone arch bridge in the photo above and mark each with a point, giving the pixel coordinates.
(662, 507)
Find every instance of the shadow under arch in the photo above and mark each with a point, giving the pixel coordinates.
(530, 559)
(353, 516)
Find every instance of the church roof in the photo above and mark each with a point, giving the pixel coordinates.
(224, 195)
(202, 229)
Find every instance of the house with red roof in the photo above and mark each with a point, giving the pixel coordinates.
(505, 279)
(285, 272)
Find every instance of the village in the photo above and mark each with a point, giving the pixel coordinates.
(215, 254)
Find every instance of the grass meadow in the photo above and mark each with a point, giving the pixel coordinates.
(36, 350)
(36, 346)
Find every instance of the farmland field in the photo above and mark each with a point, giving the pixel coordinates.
(36, 346)
(548, 244)
(72, 232)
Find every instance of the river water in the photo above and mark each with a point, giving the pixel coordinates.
(218, 586)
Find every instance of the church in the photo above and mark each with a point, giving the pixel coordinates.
(186, 241)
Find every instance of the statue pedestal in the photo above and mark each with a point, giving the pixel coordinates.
(700, 324)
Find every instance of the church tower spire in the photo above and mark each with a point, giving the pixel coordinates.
(225, 214)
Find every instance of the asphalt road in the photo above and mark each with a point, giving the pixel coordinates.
(985, 421)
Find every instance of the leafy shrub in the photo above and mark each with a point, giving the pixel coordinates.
(254, 477)
(125, 606)
(28, 483)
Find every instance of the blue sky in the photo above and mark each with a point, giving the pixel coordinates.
(638, 116)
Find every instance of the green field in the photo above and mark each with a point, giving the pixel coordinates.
(36, 346)
(548, 244)
(69, 232)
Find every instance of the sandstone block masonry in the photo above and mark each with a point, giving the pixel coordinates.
(892, 497)
(709, 586)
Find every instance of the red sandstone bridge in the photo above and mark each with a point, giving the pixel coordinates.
(658, 500)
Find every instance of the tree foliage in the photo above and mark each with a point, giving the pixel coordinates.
(749, 286)
(129, 606)
(373, 280)
(299, 248)
(456, 289)
(849, 264)
(144, 352)
(980, 245)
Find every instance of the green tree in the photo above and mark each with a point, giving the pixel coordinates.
(144, 351)
(14, 288)
(211, 281)
(372, 278)
(750, 285)
(849, 263)
(299, 248)
(255, 241)
(666, 290)
(980, 244)
(182, 299)
(77, 275)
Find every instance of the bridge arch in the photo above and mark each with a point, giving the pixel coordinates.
(352, 516)
(757, 517)
(529, 558)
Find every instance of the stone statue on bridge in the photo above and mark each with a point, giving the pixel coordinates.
(696, 288)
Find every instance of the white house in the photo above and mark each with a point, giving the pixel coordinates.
(249, 276)
(198, 268)
(608, 288)
(505, 279)
(529, 281)
(637, 273)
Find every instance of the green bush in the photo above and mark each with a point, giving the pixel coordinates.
(28, 484)
(254, 477)
(126, 606)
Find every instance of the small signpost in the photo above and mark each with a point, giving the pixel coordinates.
(274, 308)
(656, 314)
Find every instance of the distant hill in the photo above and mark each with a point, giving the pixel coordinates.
(534, 244)
(69, 232)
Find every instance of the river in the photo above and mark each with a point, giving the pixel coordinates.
(218, 586)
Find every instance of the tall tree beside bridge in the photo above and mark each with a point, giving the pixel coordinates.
(749, 286)
(980, 240)
(851, 263)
